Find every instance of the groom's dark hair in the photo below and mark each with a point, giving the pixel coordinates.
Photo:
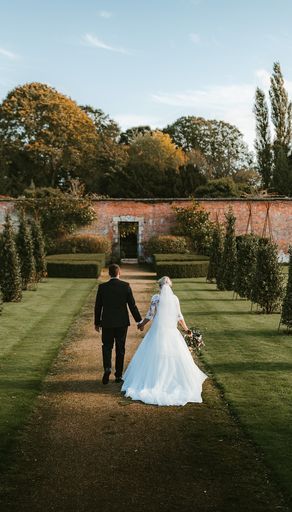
(113, 270)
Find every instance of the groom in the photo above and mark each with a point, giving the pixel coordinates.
(111, 315)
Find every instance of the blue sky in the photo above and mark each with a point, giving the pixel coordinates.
(149, 61)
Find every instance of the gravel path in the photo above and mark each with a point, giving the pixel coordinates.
(88, 449)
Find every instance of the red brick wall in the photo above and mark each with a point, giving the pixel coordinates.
(157, 216)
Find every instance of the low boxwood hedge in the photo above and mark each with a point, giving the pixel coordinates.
(74, 269)
(179, 257)
(177, 269)
(80, 257)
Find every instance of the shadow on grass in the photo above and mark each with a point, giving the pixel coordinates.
(256, 366)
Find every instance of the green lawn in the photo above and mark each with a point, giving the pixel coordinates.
(30, 335)
(251, 362)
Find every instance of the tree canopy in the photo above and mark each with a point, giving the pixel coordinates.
(45, 136)
(221, 143)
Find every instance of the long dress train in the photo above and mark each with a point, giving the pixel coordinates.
(162, 370)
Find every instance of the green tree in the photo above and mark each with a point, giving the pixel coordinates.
(49, 132)
(221, 187)
(247, 247)
(10, 277)
(110, 155)
(59, 213)
(286, 317)
(281, 113)
(268, 281)
(282, 179)
(226, 273)
(221, 143)
(281, 108)
(25, 248)
(38, 249)
(263, 144)
(128, 136)
(194, 222)
(216, 251)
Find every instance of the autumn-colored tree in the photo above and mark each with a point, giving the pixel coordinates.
(156, 150)
(49, 130)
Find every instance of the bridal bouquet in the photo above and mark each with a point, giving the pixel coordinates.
(194, 339)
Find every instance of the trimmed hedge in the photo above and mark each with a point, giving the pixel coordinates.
(73, 269)
(179, 257)
(85, 258)
(177, 269)
(81, 244)
(166, 244)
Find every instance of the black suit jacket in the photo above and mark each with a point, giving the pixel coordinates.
(111, 303)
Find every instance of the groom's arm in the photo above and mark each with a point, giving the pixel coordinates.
(98, 308)
(132, 305)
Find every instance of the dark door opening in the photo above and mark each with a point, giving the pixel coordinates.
(129, 239)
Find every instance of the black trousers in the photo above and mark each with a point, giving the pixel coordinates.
(111, 335)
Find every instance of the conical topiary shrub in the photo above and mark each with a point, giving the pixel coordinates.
(216, 251)
(38, 250)
(226, 273)
(10, 277)
(25, 252)
(267, 289)
(286, 317)
(247, 247)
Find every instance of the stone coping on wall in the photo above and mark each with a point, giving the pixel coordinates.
(173, 199)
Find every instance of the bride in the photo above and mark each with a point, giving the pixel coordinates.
(162, 371)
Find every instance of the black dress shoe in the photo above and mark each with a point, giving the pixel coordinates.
(105, 377)
(119, 379)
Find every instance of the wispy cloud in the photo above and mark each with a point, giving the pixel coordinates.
(195, 38)
(95, 42)
(8, 54)
(231, 103)
(105, 14)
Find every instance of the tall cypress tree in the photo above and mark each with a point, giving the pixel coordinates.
(281, 111)
(263, 145)
(216, 251)
(10, 277)
(268, 281)
(286, 318)
(226, 274)
(282, 179)
(247, 246)
(25, 251)
(38, 249)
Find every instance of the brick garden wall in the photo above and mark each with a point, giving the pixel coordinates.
(157, 216)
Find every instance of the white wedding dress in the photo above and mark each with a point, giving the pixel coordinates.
(162, 371)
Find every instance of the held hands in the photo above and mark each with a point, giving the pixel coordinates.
(140, 326)
(97, 328)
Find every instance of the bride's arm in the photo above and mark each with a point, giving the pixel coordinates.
(150, 313)
(180, 318)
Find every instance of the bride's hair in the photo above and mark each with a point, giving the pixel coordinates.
(164, 280)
